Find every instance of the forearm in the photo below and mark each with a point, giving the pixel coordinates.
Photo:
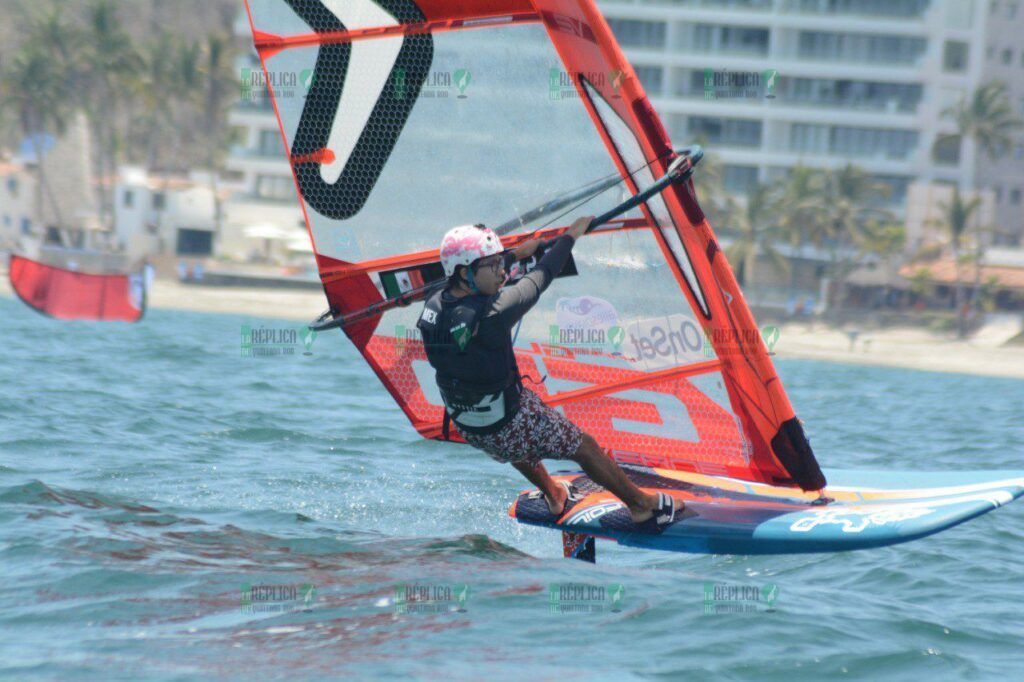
(514, 301)
(554, 258)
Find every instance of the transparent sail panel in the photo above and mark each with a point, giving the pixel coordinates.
(492, 133)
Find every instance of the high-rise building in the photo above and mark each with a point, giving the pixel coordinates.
(837, 81)
(1004, 61)
(770, 84)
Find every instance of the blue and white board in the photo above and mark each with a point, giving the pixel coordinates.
(729, 516)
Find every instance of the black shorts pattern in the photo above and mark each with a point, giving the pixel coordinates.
(535, 432)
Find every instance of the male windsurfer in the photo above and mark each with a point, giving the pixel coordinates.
(467, 333)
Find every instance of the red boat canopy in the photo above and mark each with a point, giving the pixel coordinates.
(69, 295)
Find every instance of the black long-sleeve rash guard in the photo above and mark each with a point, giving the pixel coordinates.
(512, 302)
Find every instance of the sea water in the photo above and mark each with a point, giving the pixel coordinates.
(206, 496)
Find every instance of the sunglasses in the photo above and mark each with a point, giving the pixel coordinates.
(496, 265)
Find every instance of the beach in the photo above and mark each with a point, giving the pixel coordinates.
(908, 348)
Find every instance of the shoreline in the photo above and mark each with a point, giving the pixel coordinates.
(906, 348)
(283, 304)
(900, 347)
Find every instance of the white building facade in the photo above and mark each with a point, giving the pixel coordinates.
(856, 81)
(17, 205)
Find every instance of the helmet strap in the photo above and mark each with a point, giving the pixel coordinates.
(470, 280)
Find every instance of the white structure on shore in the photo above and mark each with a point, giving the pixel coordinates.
(63, 209)
(17, 205)
(861, 81)
(163, 216)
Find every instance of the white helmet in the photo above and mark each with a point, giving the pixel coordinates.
(467, 243)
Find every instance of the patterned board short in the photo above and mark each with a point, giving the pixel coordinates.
(536, 432)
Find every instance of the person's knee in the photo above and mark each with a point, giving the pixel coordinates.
(588, 448)
(521, 467)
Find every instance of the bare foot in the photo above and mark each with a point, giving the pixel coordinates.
(556, 505)
(646, 511)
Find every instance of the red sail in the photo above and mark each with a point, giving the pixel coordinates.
(70, 295)
(402, 118)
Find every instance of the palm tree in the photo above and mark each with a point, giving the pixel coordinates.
(34, 87)
(754, 232)
(111, 66)
(957, 216)
(38, 82)
(216, 96)
(982, 233)
(153, 122)
(986, 117)
(800, 209)
(710, 186)
(52, 27)
(883, 239)
(183, 91)
(919, 283)
(850, 202)
(219, 88)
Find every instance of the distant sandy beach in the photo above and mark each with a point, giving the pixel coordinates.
(900, 347)
(908, 348)
(285, 304)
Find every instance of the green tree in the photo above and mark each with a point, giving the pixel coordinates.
(219, 88)
(986, 117)
(800, 210)
(883, 240)
(183, 92)
(52, 27)
(920, 282)
(111, 67)
(752, 226)
(850, 201)
(153, 122)
(957, 216)
(34, 88)
(709, 183)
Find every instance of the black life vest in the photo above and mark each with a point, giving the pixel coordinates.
(479, 381)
